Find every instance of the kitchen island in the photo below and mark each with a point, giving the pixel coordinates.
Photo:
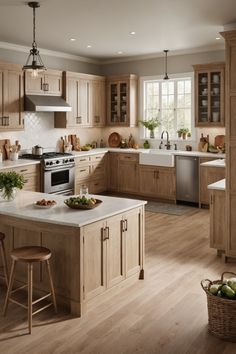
(93, 251)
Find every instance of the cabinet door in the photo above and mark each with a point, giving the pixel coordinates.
(115, 251)
(113, 171)
(148, 181)
(166, 183)
(128, 177)
(14, 104)
(217, 220)
(84, 103)
(124, 102)
(113, 103)
(34, 85)
(132, 242)
(53, 84)
(73, 101)
(97, 103)
(209, 175)
(94, 255)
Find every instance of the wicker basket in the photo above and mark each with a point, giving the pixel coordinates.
(221, 312)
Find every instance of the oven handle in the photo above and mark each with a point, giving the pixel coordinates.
(50, 169)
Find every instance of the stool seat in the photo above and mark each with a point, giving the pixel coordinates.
(31, 254)
(2, 236)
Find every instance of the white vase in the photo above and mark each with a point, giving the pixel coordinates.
(8, 195)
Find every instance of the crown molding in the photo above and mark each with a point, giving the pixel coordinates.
(212, 48)
(51, 53)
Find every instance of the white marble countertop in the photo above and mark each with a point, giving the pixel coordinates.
(214, 163)
(18, 163)
(219, 185)
(23, 207)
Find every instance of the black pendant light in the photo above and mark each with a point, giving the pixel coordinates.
(166, 77)
(34, 63)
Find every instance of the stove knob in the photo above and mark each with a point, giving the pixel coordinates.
(72, 160)
(47, 163)
(57, 162)
(66, 161)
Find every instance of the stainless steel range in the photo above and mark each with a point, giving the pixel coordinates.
(58, 172)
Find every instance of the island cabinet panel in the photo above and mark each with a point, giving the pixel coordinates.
(8, 243)
(128, 173)
(94, 259)
(217, 220)
(115, 251)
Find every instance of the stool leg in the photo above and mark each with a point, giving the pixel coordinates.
(4, 260)
(30, 294)
(9, 289)
(51, 285)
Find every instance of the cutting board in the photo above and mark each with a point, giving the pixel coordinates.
(219, 140)
(2, 146)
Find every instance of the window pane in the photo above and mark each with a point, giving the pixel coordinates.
(167, 121)
(187, 86)
(180, 87)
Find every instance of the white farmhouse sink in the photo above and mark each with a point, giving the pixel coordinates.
(164, 158)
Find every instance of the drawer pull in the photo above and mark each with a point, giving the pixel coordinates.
(24, 170)
(96, 184)
(82, 171)
(83, 160)
(26, 180)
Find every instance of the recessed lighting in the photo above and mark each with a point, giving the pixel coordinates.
(120, 52)
(72, 39)
(132, 33)
(217, 38)
(89, 46)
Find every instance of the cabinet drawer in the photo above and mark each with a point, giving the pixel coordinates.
(129, 157)
(24, 170)
(99, 157)
(82, 172)
(97, 186)
(98, 170)
(83, 160)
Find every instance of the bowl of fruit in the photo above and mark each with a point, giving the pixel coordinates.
(82, 202)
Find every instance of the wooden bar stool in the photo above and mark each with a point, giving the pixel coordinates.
(4, 258)
(30, 255)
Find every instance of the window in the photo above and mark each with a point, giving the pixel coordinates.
(170, 101)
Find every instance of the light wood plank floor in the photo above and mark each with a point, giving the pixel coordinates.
(165, 313)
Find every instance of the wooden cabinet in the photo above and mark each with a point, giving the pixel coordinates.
(112, 251)
(128, 173)
(91, 171)
(86, 95)
(157, 182)
(46, 83)
(113, 161)
(31, 175)
(209, 94)
(122, 94)
(208, 175)
(217, 220)
(11, 98)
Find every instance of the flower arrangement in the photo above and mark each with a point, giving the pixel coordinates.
(151, 124)
(9, 181)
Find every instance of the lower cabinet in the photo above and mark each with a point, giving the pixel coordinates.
(128, 173)
(209, 175)
(217, 220)
(157, 182)
(112, 251)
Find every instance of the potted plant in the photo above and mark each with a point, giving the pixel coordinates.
(179, 132)
(9, 182)
(151, 125)
(185, 131)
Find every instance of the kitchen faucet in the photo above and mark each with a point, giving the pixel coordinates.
(168, 146)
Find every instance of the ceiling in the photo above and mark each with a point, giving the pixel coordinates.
(177, 25)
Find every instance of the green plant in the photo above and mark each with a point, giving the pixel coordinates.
(189, 135)
(9, 181)
(151, 124)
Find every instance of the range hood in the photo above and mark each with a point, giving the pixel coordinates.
(41, 103)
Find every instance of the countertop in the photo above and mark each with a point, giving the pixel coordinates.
(18, 163)
(23, 207)
(214, 163)
(219, 185)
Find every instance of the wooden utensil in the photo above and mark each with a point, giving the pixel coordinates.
(7, 148)
(114, 140)
(219, 140)
(2, 147)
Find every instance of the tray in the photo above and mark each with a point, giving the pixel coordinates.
(114, 140)
(83, 207)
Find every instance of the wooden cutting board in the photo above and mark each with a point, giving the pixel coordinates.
(219, 140)
(2, 147)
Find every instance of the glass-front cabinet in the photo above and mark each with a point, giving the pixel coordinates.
(209, 94)
(122, 100)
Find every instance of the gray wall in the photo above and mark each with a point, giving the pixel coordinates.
(155, 66)
(17, 57)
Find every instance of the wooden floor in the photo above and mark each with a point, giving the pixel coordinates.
(165, 313)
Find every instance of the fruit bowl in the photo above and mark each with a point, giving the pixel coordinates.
(82, 203)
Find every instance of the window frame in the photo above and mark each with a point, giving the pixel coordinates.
(142, 97)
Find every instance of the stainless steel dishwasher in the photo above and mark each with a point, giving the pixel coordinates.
(187, 179)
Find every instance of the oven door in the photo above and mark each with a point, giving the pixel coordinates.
(59, 179)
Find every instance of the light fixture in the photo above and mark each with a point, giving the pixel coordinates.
(132, 33)
(166, 77)
(34, 63)
(217, 38)
(120, 52)
(89, 46)
(72, 39)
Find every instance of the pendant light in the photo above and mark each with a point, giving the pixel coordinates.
(34, 63)
(166, 77)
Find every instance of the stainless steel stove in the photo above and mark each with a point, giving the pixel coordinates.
(58, 172)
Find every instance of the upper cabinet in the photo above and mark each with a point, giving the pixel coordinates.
(122, 98)
(209, 94)
(11, 97)
(86, 95)
(46, 83)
